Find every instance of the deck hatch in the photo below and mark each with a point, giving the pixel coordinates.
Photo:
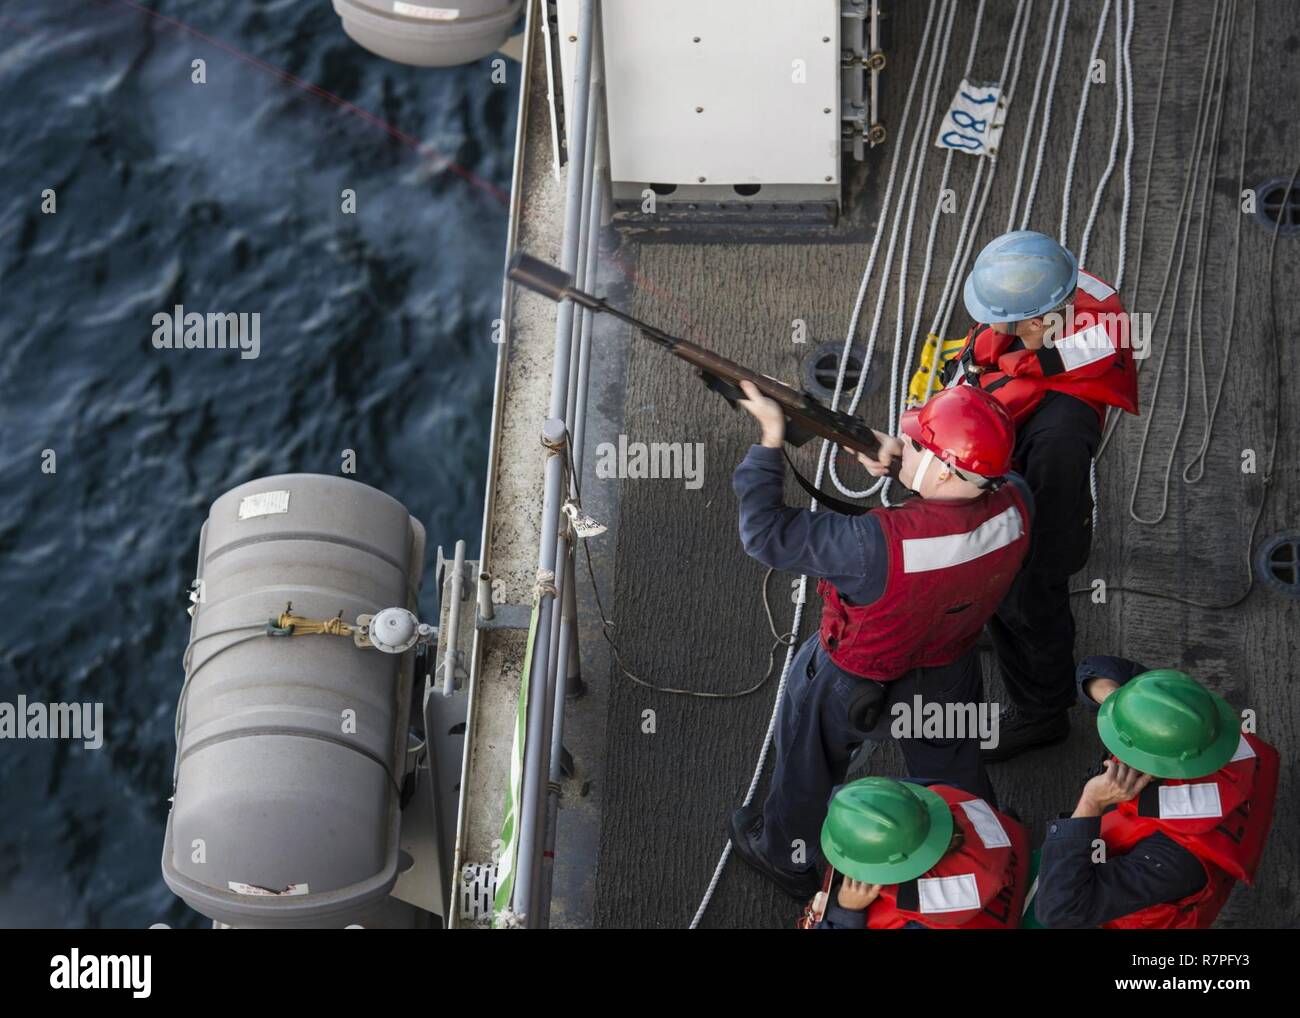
(1277, 564)
(822, 368)
(1275, 204)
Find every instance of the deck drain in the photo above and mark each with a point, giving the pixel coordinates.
(1277, 564)
(1272, 209)
(823, 367)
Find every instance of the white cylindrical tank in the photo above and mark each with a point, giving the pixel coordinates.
(427, 33)
(292, 748)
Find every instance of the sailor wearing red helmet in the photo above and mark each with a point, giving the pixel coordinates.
(906, 591)
(1055, 351)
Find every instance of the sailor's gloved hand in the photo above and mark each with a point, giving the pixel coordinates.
(1117, 783)
(856, 895)
(767, 412)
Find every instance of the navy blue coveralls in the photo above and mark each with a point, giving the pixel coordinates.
(815, 740)
(1075, 893)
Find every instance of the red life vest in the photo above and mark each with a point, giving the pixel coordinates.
(1223, 819)
(950, 564)
(980, 886)
(1092, 361)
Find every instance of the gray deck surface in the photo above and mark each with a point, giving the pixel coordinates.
(686, 599)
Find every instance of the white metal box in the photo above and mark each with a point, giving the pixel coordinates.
(718, 91)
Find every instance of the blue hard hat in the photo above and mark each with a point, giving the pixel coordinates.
(1020, 275)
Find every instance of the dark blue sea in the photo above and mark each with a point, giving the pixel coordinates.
(221, 197)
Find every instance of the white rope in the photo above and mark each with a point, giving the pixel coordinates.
(969, 230)
(1212, 412)
(1116, 132)
(1116, 416)
(1033, 114)
(1078, 123)
(917, 151)
(1123, 95)
(1128, 145)
(1047, 116)
(898, 386)
(1196, 309)
(1212, 58)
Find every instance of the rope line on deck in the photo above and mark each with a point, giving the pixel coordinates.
(1267, 479)
(933, 77)
(1211, 96)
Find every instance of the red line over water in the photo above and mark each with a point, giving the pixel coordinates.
(502, 196)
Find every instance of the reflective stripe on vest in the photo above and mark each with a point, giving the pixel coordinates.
(1094, 287)
(1190, 802)
(957, 893)
(950, 563)
(923, 554)
(986, 823)
(1080, 349)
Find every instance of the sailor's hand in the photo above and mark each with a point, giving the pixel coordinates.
(1117, 783)
(856, 894)
(767, 412)
(891, 448)
(1100, 688)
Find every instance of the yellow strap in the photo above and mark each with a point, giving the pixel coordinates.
(300, 626)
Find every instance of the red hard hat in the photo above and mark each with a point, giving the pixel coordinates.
(966, 428)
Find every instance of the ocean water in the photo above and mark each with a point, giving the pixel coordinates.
(375, 336)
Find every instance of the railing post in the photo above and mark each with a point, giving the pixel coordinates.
(550, 564)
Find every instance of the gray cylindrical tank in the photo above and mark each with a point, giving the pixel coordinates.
(428, 33)
(291, 749)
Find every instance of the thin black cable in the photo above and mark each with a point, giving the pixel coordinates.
(606, 625)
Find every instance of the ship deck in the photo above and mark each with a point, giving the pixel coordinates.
(643, 819)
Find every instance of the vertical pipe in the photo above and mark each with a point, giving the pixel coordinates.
(600, 204)
(450, 651)
(567, 648)
(536, 739)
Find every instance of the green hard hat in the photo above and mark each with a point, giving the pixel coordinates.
(883, 831)
(1167, 724)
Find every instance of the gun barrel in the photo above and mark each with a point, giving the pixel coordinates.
(557, 285)
(541, 277)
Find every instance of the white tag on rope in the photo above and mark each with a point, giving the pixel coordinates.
(973, 123)
(583, 525)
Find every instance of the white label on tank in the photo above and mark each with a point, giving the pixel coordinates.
(264, 503)
(239, 888)
(428, 13)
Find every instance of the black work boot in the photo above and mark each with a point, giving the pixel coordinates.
(1018, 732)
(747, 836)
